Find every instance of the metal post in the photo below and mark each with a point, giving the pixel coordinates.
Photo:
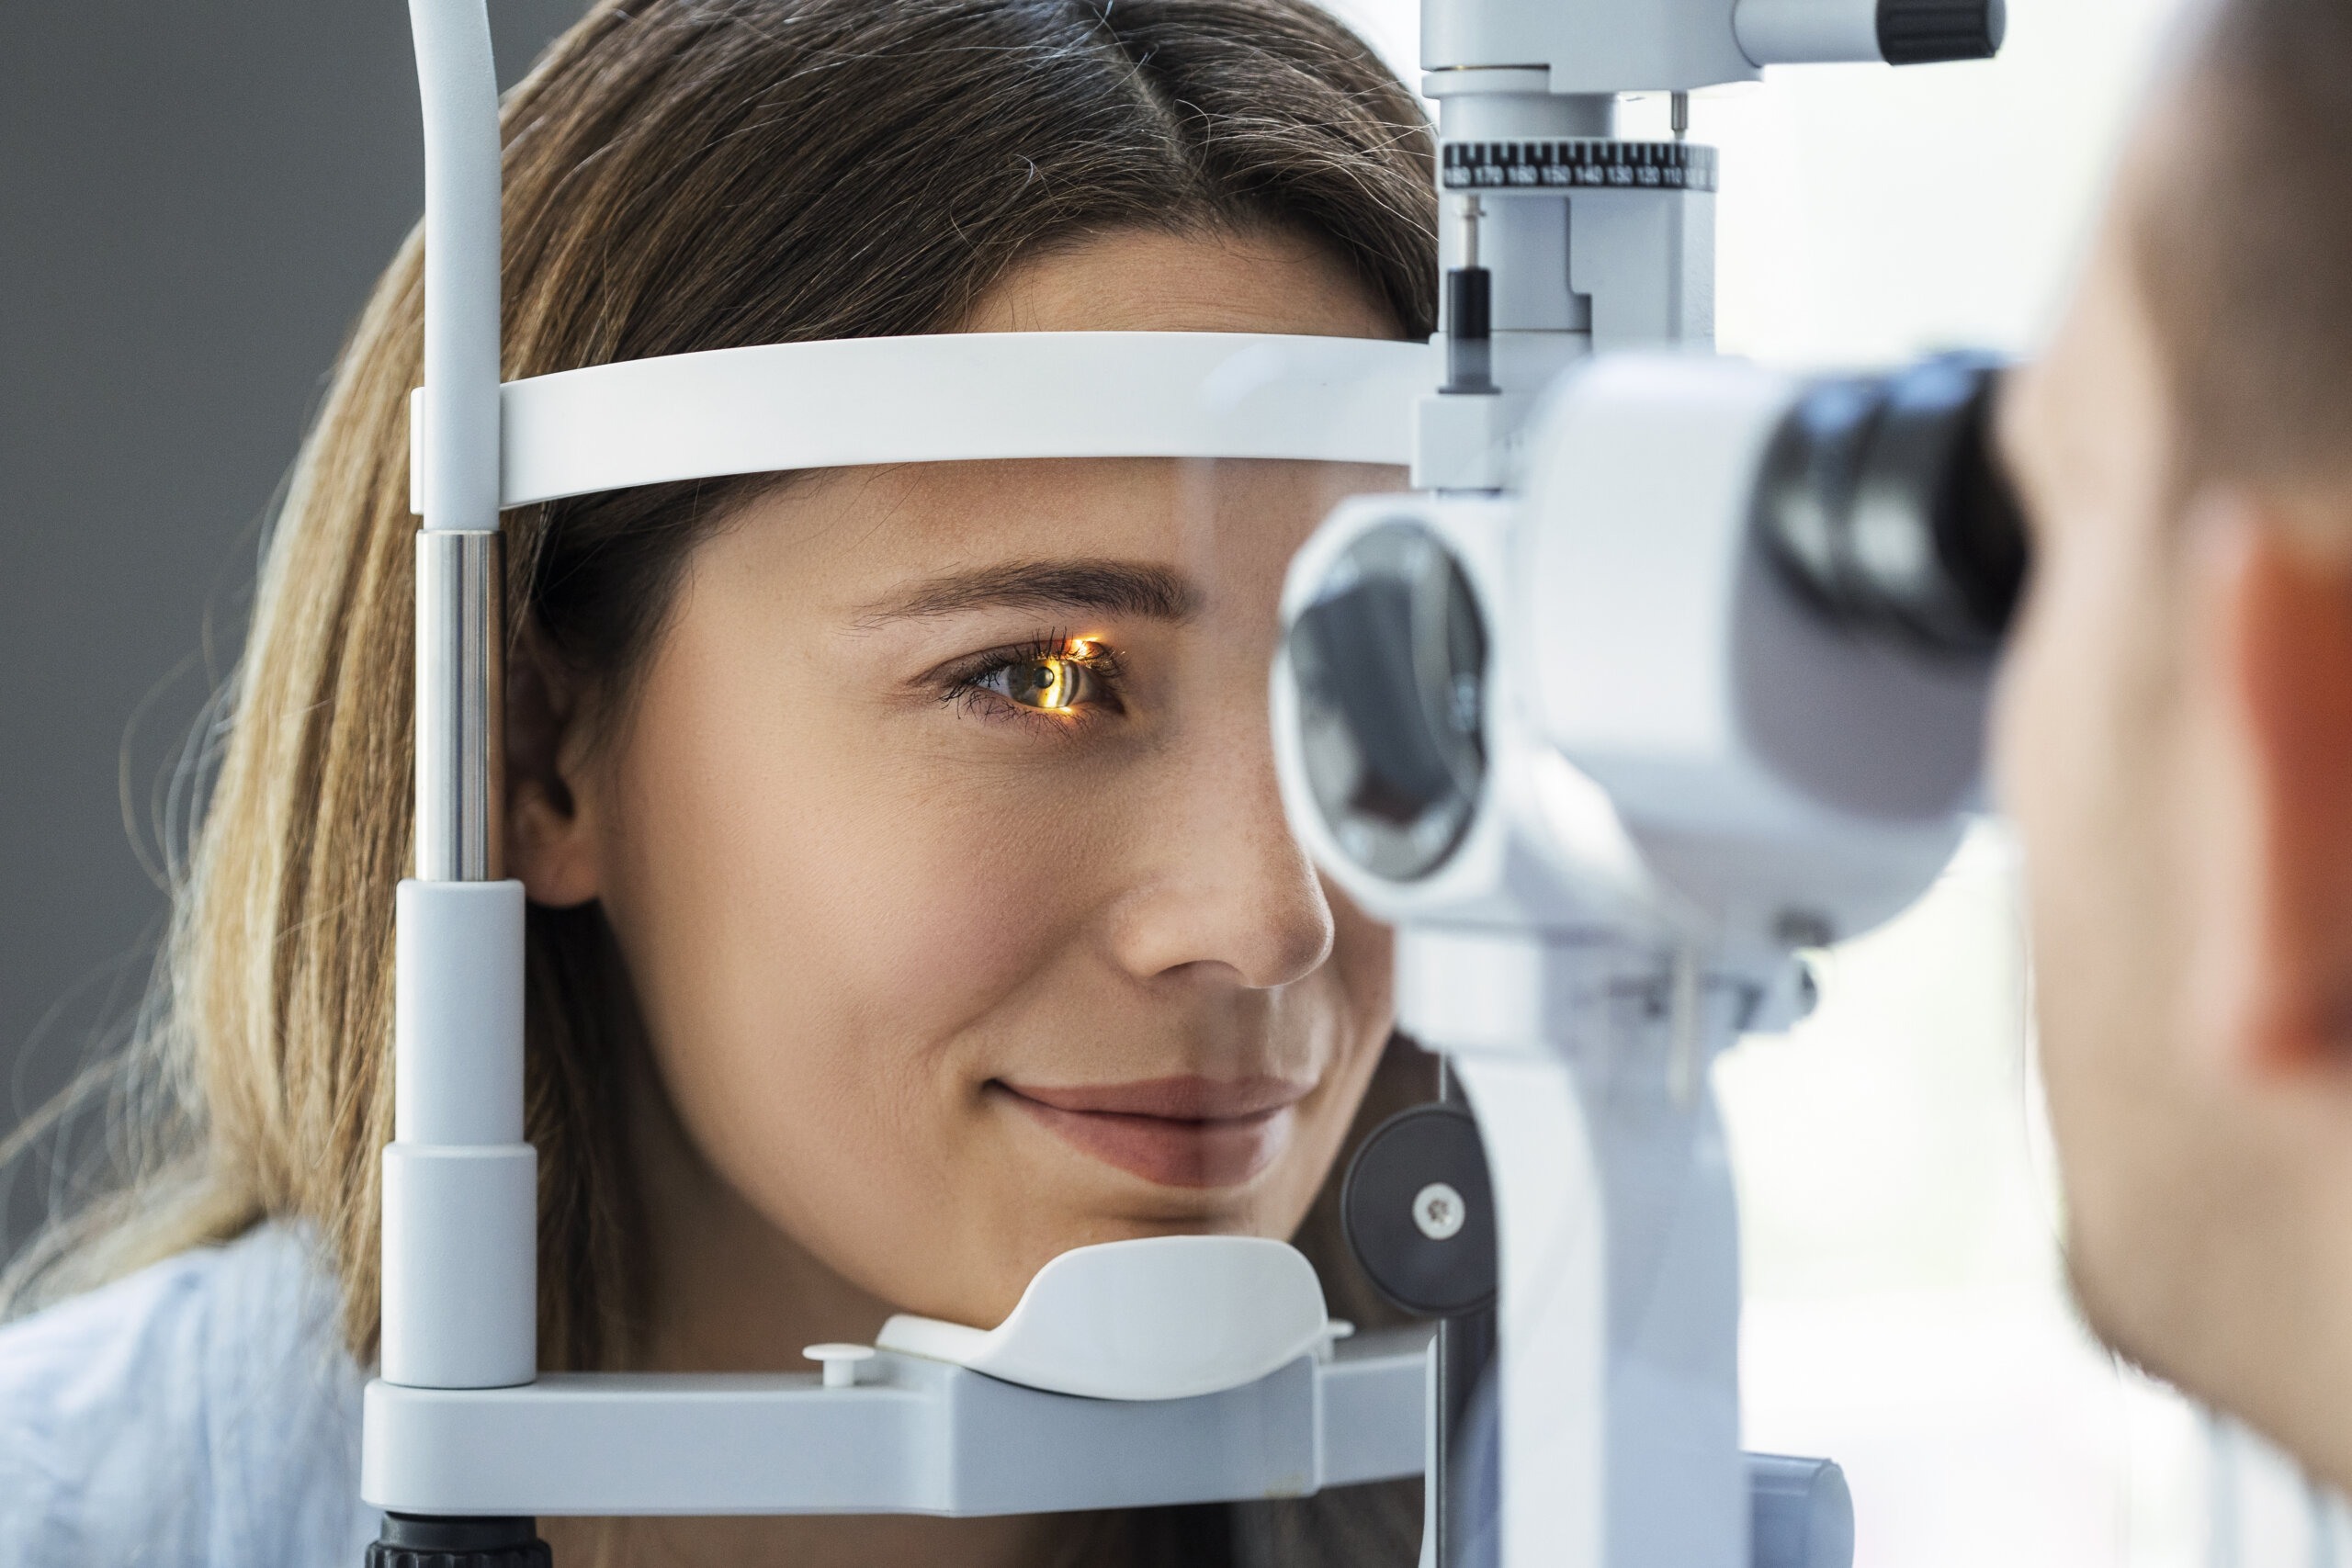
(460, 705)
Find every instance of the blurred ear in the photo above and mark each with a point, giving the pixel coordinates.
(551, 836)
(2277, 582)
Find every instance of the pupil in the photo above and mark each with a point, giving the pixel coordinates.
(1042, 681)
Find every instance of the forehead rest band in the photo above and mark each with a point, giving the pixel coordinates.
(954, 397)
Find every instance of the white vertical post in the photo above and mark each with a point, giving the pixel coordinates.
(459, 92)
(1618, 1313)
(460, 1185)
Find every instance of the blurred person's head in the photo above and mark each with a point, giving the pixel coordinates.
(2176, 731)
(910, 896)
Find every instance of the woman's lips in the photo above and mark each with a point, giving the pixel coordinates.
(1178, 1132)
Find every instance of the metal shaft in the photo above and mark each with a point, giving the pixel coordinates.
(1465, 1473)
(1463, 1468)
(461, 717)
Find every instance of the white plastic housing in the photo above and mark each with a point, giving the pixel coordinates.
(1589, 46)
(1795, 32)
(1545, 848)
(1775, 772)
(1619, 1307)
(458, 1041)
(462, 261)
(461, 1187)
(1160, 1318)
(1616, 46)
(460, 1265)
(1677, 750)
(910, 1436)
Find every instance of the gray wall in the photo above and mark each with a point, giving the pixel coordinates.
(194, 195)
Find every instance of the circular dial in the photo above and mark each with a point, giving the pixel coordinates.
(1551, 164)
(1419, 1206)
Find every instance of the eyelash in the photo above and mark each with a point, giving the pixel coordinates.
(965, 683)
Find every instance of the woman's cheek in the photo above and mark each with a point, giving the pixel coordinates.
(1364, 961)
(1348, 1002)
(931, 907)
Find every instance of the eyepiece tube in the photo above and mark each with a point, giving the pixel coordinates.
(1883, 504)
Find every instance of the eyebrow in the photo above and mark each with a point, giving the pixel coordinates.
(1100, 587)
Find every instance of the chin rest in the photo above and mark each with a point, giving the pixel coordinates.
(1162, 1317)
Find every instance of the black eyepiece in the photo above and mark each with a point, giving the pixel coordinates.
(1885, 505)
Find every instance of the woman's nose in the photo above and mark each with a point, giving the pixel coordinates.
(1218, 889)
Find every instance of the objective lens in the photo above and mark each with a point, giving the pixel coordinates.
(1884, 506)
(1390, 666)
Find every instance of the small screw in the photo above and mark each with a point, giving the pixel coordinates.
(1439, 1211)
(840, 1361)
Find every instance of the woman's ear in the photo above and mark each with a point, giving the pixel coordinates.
(2279, 582)
(551, 801)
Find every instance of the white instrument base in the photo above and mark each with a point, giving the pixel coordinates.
(910, 1436)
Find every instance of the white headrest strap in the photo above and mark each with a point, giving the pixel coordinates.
(956, 396)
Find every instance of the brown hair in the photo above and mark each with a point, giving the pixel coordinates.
(681, 175)
(2243, 243)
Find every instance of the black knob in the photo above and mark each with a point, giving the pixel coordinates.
(1419, 1212)
(1921, 32)
(433, 1541)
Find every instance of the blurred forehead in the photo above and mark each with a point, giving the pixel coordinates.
(1263, 280)
(2087, 426)
(2234, 204)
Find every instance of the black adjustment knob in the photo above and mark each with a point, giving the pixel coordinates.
(432, 1541)
(1921, 32)
(1419, 1212)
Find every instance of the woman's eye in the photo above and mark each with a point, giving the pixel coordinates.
(1074, 678)
(1054, 684)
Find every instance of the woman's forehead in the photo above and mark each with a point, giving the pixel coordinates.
(855, 534)
(1151, 280)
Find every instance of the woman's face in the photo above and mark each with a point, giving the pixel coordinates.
(943, 842)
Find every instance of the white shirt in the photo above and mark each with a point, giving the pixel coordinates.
(200, 1414)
